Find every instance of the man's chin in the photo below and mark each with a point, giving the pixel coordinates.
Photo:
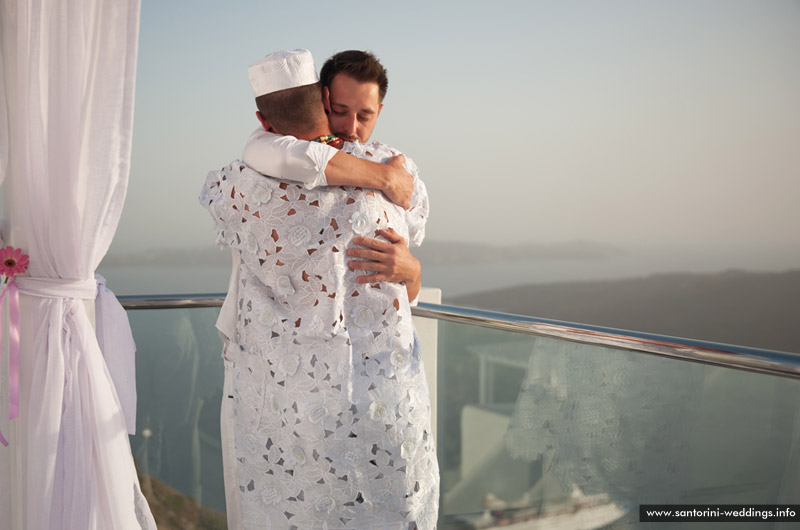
(347, 138)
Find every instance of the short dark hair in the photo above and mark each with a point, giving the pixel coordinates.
(361, 66)
(293, 111)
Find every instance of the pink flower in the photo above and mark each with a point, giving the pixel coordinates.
(12, 262)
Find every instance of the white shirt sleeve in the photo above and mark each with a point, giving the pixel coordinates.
(288, 158)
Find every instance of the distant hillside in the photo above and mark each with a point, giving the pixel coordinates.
(735, 307)
(441, 252)
(432, 252)
(172, 510)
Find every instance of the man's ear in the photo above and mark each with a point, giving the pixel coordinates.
(326, 99)
(380, 108)
(265, 123)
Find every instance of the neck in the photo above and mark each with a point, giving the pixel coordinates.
(321, 128)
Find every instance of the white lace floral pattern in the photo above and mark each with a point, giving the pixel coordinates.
(332, 409)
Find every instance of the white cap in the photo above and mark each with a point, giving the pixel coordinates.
(282, 70)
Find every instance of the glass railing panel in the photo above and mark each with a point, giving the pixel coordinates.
(179, 376)
(532, 432)
(538, 432)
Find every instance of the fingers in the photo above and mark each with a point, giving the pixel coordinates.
(397, 160)
(391, 235)
(374, 244)
(400, 186)
(369, 266)
(372, 278)
(377, 244)
(370, 255)
(386, 261)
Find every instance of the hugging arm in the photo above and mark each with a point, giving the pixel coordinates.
(315, 164)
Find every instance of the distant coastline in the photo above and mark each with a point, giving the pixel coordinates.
(756, 309)
(449, 252)
(746, 298)
(431, 253)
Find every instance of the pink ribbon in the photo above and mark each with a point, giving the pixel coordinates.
(13, 347)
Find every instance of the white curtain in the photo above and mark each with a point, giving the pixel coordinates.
(68, 70)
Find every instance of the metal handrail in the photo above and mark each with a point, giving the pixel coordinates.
(770, 362)
(171, 301)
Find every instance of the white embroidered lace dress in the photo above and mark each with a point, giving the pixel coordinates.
(332, 413)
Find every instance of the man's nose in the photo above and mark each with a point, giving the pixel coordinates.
(350, 125)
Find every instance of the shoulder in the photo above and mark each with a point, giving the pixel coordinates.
(236, 177)
(239, 172)
(378, 152)
(374, 150)
(216, 180)
(234, 168)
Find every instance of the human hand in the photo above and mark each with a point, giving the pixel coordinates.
(400, 183)
(388, 261)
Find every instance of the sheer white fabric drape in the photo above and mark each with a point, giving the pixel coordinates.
(68, 70)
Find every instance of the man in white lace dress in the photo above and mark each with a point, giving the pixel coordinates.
(332, 414)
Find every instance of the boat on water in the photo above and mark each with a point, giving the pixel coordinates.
(577, 511)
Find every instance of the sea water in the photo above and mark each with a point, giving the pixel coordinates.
(456, 279)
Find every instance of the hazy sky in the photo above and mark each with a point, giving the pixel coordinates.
(673, 122)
